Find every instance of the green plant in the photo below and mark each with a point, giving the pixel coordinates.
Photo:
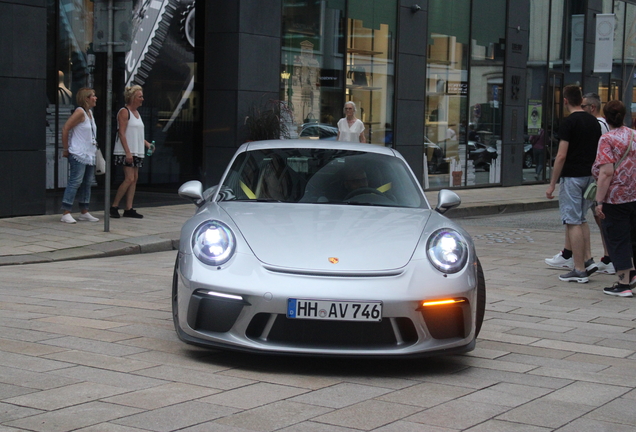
(267, 120)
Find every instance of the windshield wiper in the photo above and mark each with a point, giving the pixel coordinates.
(259, 200)
(360, 203)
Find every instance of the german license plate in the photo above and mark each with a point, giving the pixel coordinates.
(334, 310)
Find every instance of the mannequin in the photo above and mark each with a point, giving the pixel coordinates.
(64, 94)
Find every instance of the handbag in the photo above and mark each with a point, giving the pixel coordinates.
(358, 76)
(100, 163)
(590, 191)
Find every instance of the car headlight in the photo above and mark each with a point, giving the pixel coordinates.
(213, 243)
(447, 250)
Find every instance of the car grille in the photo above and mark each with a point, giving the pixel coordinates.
(332, 334)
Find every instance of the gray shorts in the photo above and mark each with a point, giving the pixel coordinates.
(572, 205)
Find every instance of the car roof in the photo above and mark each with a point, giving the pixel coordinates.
(317, 144)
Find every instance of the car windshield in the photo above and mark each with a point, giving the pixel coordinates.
(325, 176)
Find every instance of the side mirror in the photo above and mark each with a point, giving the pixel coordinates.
(446, 200)
(192, 190)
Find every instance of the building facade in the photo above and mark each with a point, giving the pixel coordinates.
(461, 88)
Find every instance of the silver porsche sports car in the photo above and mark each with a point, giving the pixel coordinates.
(325, 248)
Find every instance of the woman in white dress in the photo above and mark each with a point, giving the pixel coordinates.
(350, 128)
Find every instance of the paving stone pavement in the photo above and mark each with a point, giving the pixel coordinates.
(88, 345)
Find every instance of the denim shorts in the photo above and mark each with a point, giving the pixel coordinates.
(572, 205)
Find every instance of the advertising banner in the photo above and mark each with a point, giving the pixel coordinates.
(534, 117)
(576, 48)
(604, 48)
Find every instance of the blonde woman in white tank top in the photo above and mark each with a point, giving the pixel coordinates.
(130, 147)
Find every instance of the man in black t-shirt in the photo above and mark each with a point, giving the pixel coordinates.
(579, 134)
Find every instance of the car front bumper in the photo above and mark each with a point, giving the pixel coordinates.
(243, 307)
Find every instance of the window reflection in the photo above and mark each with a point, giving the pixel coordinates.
(312, 75)
(73, 69)
(329, 59)
(445, 140)
(536, 136)
(463, 123)
(486, 88)
(369, 64)
(161, 59)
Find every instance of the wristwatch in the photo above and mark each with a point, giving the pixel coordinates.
(186, 25)
(151, 21)
(596, 203)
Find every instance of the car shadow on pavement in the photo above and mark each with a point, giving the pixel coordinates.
(329, 366)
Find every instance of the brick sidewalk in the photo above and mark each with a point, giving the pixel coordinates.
(90, 346)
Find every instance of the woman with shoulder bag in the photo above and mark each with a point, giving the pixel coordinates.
(80, 145)
(615, 171)
(130, 147)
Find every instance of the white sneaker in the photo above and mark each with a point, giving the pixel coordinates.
(559, 261)
(67, 218)
(87, 217)
(605, 268)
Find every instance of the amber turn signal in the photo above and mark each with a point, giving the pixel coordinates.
(442, 302)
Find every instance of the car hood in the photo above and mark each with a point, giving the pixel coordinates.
(308, 237)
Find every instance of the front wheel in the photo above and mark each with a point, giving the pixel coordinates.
(175, 295)
(481, 299)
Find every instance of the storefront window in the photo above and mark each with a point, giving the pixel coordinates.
(464, 93)
(611, 84)
(329, 58)
(161, 60)
(559, 28)
(71, 66)
(446, 132)
(312, 73)
(629, 63)
(370, 65)
(616, 80)
(535, 137)
(486, 92)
